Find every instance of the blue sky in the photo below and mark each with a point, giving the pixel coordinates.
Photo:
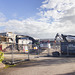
(38, 18)
(19, 8)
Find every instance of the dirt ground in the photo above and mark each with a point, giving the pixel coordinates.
(43, 66)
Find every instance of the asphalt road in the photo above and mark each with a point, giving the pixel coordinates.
(43, 66)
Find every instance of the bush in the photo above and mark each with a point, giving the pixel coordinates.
(1, 56)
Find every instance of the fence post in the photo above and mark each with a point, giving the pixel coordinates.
(48, 52)
(48, 49)
(28, 54)
(60, 49)
(67, 51)
(38, 52)
(28, 51)
(12, 58)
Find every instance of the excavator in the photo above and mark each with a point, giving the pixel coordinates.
(67, 44)
(65, 38)
(18, 37)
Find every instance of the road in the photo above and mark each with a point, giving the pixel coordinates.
(43, 66)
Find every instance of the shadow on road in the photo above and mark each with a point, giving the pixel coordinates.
(42, 61)
(72, 73)
(47, 62)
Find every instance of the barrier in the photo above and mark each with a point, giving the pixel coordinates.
(22, 52)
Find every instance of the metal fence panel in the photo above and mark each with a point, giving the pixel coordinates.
(68, 48)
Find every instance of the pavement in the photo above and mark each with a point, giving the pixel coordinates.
(43, 66)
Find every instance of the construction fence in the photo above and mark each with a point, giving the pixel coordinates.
(14, 53)
(63, 49)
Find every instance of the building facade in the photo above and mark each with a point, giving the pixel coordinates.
(8, 37)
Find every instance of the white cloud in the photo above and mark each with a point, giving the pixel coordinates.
(63, 13)
(56, 16)
(45, 1)
(28, 27)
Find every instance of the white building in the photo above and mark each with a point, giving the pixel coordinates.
(11, 36)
